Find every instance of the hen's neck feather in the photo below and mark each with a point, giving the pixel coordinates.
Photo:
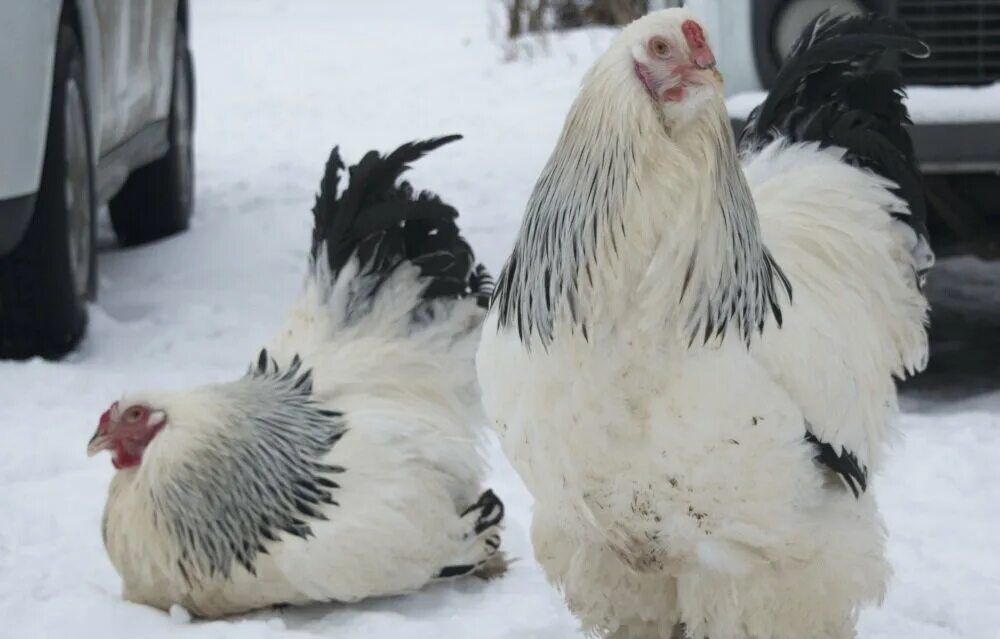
(238, 465)
(639, 216)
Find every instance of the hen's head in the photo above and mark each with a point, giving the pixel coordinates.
(670, 63)
(126, 429)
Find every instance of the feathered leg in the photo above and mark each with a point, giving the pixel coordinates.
(609, 597)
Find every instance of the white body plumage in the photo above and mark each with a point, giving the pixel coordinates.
(674, 489)
(409, 458)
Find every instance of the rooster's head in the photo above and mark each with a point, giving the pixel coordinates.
(671, 62)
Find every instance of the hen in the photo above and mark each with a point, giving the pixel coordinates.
(343, 465)
(701, 444)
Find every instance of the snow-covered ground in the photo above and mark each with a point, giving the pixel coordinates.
(279, 83)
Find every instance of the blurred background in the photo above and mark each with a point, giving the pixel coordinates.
(158, 161)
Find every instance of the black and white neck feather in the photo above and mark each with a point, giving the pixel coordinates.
(260, 475)
(730, 276)
(633, 201)
(573, 224)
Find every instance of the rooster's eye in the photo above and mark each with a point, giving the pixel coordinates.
(659, 47)
(133, 414)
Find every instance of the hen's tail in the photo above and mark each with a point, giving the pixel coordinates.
(386, 225)
(837, 89)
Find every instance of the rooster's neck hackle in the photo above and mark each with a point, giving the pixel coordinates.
(636, 208)
(728, 279)
(574, 227)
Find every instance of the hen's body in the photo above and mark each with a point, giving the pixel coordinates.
(674, 466)
(344, 465)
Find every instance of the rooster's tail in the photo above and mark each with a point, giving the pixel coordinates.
(836, 89)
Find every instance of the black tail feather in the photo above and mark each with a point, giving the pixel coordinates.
(836, 89)
(385, 224)
(482, 284)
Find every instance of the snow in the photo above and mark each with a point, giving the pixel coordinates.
(278, 84)
(927, 105)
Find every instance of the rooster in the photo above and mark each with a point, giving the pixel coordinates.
(690, 352)
(343, 464)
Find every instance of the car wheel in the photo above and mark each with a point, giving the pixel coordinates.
(46, 280)
(158, 199)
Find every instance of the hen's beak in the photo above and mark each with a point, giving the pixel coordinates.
(100, 441)
(102, 436)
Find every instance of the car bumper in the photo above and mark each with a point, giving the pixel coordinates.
(972, 147)
(15, 215)
(956, 129)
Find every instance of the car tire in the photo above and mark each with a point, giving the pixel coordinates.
(46, 280)
(158, 199)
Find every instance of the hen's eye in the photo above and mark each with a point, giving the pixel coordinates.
(659, 47)
(133, 414)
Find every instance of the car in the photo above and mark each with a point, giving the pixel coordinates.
(96, 107)
(954, 95)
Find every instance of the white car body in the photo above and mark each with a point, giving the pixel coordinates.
(128, 48)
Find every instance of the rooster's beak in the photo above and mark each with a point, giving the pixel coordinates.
(98, 443)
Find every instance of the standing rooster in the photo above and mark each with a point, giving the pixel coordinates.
(343, 465)
(701, 445)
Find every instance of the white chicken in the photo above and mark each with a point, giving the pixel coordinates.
(344, 464)
(700, 443)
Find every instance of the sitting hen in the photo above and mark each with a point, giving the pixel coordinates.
(700, 442)
(343, 465)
